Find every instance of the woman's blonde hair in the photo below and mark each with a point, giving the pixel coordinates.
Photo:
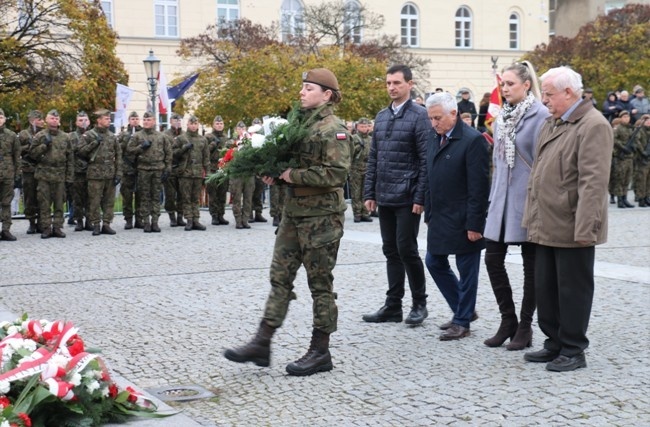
(526, 72)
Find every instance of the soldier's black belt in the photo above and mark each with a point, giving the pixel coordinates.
(310, 191)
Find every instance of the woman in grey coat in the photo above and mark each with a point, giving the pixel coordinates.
(515, 135)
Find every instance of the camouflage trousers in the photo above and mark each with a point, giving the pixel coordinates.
(622, 176)
(277, 200)
(129, 197)
(149, 187)
(30, 195)
(314, 243)
(241, 191)
(51, 195)
(79, 190)
(173, 198)
(258, 191)
(101, 195)
(6, 196)
(217, 198)
(190, 190)
(642, 179)
(357, 179)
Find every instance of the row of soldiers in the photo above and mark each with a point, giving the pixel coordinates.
(630, 161)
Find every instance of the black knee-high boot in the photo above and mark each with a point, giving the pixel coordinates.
(494, 262)
(524, 336)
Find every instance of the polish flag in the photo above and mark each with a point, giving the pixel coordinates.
(163, 95)
(495, 104)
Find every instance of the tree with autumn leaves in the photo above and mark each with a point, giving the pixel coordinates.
(56, 54)
(611, 52)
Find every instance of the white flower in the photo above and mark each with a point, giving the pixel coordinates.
(59, 360)
(12, 329)
(104, 391)
(5, 386)
(75, 379)
(4, 324)
(92, 386)
(5, 424)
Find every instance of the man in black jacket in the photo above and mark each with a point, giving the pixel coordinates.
(465, 105)
(396, 182)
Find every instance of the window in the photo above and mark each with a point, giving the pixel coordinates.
(463, 28)
(107, 7)
(409, 26)
(166, 12)
(352, 22)
(291, 19)
(513, 30)
(25, 14)
(227, 11)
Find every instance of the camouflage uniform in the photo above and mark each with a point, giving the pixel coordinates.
(100, 147)
(129, 178)
(217, 141)
(52, 151)
(193, 160)
(152, 163)
(277, 203)
(241, 193)
(79, 187)
(28, 166)
(257, 202)
(9, 170)
(312, 222)
(642, 167)
(358, 173)
(173, 198)
(624, 160)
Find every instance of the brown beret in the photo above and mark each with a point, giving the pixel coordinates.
(322, 77)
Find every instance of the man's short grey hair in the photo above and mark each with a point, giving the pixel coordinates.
(564, 77)
(444, 99)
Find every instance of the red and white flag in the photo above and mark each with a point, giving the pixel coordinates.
(495, 104)
(163, 95)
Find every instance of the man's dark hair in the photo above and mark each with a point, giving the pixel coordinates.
(404, 69)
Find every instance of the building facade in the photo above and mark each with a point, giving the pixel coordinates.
(567, 16)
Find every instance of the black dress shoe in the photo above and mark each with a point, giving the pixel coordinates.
(455, 332)
(384, 314)
(366, 219)
(565, 363)
(417, 315)
(449, 324)
(541, 356)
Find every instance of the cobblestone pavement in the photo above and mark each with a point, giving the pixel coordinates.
(163, 307)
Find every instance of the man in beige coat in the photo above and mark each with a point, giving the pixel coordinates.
(566, 216)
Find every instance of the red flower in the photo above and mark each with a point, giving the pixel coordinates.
(133, 395)
(112, 391)
(4, 402)
(25, 418)
(75, 345)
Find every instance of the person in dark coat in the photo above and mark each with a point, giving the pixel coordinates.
(455, 209)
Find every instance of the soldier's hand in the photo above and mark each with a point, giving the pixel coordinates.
(145, 145)
(47, 141)
(164, 176)
(116, 181)
(188, 146)
(626, 150)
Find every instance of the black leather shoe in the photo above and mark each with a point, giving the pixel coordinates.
(541, 356)
(566, 364)
(449, 324)
(366, 219)
(455, 332)
(384, 314)
(417, 315)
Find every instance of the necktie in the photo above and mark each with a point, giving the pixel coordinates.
(443, 140)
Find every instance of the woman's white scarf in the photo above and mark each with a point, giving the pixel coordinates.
(506, 123)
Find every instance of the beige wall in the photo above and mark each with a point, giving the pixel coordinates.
(570, 15)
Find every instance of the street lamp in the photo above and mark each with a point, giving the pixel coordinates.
(151, 68)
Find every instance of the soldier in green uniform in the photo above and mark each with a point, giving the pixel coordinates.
(217, 141)
(9, 170)
(277, 203)
(624, 154)
(100, 148)
(311, 228)
(642, 162)
(79, 187)
(28, 166)
(193, 160)
(173, 196)
(153, 154)
(54, 158)
(362, 141)
(241, 188)
(258, 190)
(130, 197)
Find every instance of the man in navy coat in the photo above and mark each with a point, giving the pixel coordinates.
(455, 209)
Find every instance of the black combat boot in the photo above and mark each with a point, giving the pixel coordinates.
(32, 227)
(39, 227)
(188, 225)
(57, 232)
(129, 224)
(612, 199)
(89, 225)
(215, 221)
(155, 228)
(196, 225)
(172, 220)
(276, 221)
(106, 229)
(223, 221)
(620, 203)
(642, 203)
(138, 223)
(147, 227)
(257, 351)
(96, 230)
(317, 358)
(6, 235)
(179, 220)
(626, 203)
(47, 233)
(79, 226)
(503, 294)
(259, 217)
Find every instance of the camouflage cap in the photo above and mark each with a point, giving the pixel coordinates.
(241, 125)
(133, 114)
(35, 114)
(192, 119)
(176, 116)
(257, 121)
(82, 114)
(148, 115)
(218, 119)
(101, 113)
(623, 113)
(53, 112)
(363, 121)
(322, 77)
(2, 113)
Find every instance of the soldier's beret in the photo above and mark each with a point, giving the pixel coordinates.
(133, 114)
(101, 113)
(147, 115)
(35, 114)
(53, 113)
(241, 125)
(623, 113)
(82, 114)
(176, 116)
(322, 77)
(218, 119)
(193, 119)
(2, 113)
(363, 121)
(257, 121)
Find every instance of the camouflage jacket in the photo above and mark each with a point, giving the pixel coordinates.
(325, 156)
(642, 145)
(129, 166)
(361, 150)
(175, 135)
(192, 162)
(217, 141)
(9, 154)
(621, 135)
(101, 149)
(26, 137)
(80, 163)
(52, 151)
(157, 157)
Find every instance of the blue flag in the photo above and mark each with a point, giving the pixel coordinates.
(177, 91)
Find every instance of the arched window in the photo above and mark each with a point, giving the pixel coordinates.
(513, 30)
(463, 28)
(352, 22)
(409, 22)
(291, 22)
